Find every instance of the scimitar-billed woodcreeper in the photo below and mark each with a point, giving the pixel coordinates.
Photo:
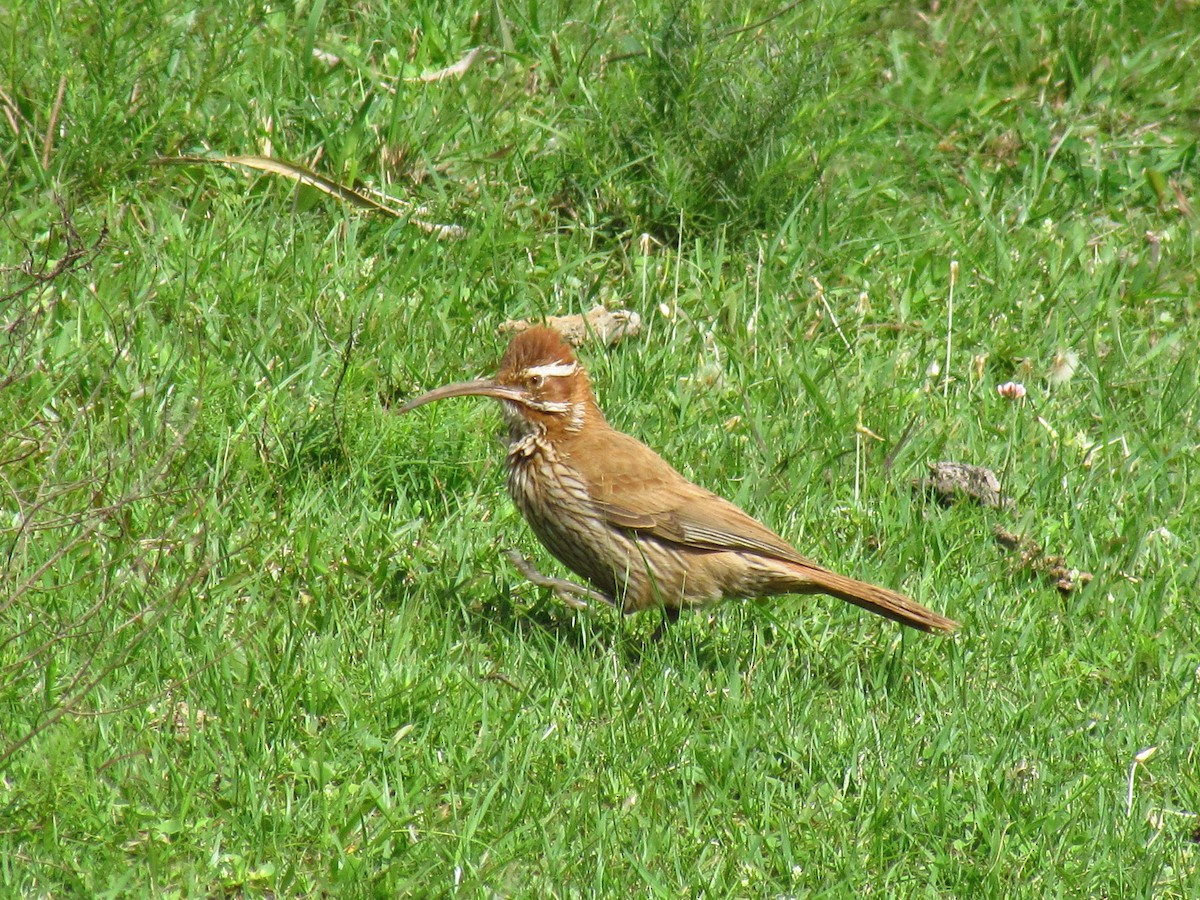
(618, 515)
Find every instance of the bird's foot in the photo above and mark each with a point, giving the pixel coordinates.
(573, 595)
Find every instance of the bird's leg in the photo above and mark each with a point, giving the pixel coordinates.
(573, 595)
(670, 612)
(670, 617)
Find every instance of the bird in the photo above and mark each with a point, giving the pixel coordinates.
(622, 518)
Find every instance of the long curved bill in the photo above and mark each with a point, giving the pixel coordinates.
(482, 388)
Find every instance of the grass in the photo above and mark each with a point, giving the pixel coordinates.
(256, 635)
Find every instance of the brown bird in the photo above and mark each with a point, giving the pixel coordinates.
(616, 514)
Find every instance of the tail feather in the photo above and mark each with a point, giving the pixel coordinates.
(879, 600)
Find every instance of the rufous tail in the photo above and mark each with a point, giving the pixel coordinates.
(879, 600)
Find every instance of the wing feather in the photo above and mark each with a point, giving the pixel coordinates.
(634, 488)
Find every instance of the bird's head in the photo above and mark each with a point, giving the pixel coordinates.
(541, 385)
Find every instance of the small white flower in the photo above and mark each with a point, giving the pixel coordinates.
(1162, 533)
(1011, 390)
(1062, 370)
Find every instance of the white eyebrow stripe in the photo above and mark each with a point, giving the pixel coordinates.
(553, 370)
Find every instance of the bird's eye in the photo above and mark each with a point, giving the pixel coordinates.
(536, 381)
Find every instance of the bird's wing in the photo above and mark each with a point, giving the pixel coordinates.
(635, 488)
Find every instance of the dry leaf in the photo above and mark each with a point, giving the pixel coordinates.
(609, 326)
(950, 482)
(455, 71)
(1055, 568)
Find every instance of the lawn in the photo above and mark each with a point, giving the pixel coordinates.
(258, 636)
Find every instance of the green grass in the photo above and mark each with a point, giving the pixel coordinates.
(256, 634)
